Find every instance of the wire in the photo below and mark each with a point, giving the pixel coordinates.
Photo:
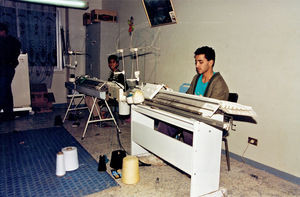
(132, 69)
(121, 51)
(120, 144)
(137, 60)
(119, 141)
(244, 153)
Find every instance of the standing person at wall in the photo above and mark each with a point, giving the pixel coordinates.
(9, 53)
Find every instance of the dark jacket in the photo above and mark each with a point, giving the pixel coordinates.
(9, 53)
(216, 88)
(120, 78)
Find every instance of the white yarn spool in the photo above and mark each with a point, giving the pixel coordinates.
(130, 170)
(60, 164)
(72, 80)
(70, 158)
(138, 97)
(124, 108)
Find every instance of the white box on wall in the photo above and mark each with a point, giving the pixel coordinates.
(20, 85)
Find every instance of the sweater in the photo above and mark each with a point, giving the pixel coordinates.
(216, 88)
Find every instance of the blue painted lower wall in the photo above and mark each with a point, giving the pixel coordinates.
(283, 175)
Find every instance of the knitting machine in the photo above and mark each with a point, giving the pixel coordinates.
(201, 116)
(91, 86)
(199, 108)
(97, 89)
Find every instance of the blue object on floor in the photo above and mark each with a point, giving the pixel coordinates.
(28, 166)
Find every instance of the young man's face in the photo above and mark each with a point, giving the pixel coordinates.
(202, 64)
(113, 64)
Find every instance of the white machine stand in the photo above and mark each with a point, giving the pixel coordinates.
(201, 161)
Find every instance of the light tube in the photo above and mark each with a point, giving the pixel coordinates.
(81, 4)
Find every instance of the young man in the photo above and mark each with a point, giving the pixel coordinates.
(113, 64)
(206, 83)
(9, 53)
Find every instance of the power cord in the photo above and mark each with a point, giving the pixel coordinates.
(242, 157)
(121, 146)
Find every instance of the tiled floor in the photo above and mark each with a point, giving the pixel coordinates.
(27, 166)
(159, 179)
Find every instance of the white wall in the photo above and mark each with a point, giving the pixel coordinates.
(257, 46)
(142, 37)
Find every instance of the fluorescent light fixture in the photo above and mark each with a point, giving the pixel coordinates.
(80, 4)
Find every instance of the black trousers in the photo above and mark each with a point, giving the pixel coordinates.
(6, 97)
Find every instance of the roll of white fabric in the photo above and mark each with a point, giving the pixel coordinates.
(60, 164)
(130, 170)
(70, 158)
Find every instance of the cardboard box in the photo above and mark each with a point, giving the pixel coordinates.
(103, 15)
(87, 19)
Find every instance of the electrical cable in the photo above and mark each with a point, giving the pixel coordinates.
(123, 65)
(137, 60)
(121, 147)
(119, 141)
(132, 69)
(242, 157)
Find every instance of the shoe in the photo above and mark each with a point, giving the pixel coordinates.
(104, 114)
(103, 124)
(75, 124)
(128, 120)
(95, 118)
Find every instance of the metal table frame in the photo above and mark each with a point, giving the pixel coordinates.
(72, 107)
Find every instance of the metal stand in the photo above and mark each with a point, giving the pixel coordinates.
(90, 120)
(72, 106)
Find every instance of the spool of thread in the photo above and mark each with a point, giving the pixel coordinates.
(70, 158)
(60, 164)
(124, 108)
(130, 170)
(138, 97)
(72, 78)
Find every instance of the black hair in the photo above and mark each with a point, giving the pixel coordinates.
(3, 27)
(208, 52)
(113, 57)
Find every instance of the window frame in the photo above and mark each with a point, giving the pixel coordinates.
(59, 56)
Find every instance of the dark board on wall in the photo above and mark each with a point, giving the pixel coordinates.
(159, 12)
